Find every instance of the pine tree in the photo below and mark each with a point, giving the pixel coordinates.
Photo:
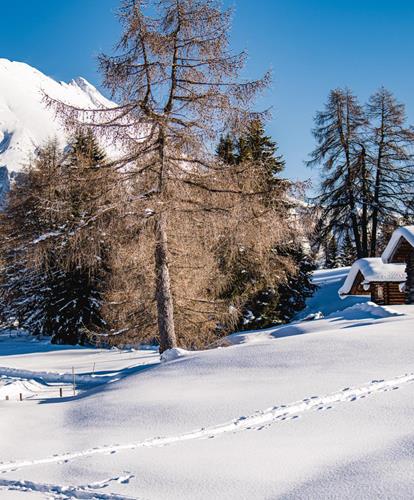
(268, 303)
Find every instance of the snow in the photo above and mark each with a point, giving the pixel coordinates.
(172, 354)
(373, 269)
(25, 122)
(326, 300)
(406, 232)
(314, 409)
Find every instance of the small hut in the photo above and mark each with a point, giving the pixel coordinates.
(371, 277)
(400, 250)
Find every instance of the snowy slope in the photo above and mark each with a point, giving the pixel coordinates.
(320, 409)
(326, 299)
(25, 123)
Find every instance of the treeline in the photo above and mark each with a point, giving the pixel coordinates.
(366, 157)
(170, 242)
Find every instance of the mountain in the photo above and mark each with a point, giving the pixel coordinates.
(25, 122)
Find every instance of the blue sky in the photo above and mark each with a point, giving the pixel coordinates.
(311, 46)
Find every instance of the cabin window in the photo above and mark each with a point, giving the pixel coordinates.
(380, 292)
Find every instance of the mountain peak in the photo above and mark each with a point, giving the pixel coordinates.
(25, 122)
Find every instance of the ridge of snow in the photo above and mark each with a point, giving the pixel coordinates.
(373, 269)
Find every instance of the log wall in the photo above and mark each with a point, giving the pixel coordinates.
(385, 294)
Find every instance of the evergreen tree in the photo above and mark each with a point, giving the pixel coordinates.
(226, 149)
(331, 253)
(299, 286)
(255, 146)
(274, 302)
(56, 249)
(347, 255)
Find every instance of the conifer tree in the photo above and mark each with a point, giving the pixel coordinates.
(56, 252)
(255, 146)
(226, 149)
(338, 130)
(367, 167)
(390, 142)
(274, 302)
(298, 287)
(332, 257)
(347, 254)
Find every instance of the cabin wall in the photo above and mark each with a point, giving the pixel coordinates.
(385, 294)
(404, 253)
(409, 285)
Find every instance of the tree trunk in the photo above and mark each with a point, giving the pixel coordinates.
(378, 181)
(165, 307)
(364, 219)
(375, 213)
(352, 206)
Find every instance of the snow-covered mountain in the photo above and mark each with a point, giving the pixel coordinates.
(25, 122)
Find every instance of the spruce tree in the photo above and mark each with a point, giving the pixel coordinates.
(226, 149)
(255, 146)
(331, 253)
(347, 253)
(274, 302)
(298, 287)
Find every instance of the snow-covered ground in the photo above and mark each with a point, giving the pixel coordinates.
(316, 409)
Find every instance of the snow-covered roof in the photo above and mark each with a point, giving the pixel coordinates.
(373, 269)
(406, 232)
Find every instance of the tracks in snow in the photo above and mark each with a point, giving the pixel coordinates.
(88, 492)
(258, 420)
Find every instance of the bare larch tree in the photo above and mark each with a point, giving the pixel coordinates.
(391, 153)
(338, 133)
(178, 87)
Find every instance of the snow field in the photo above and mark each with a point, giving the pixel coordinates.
(315, 409)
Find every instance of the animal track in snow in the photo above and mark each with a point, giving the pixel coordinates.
(257, 421)
(88, 492)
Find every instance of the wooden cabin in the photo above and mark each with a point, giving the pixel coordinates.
(371, 277)
(400, 250)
